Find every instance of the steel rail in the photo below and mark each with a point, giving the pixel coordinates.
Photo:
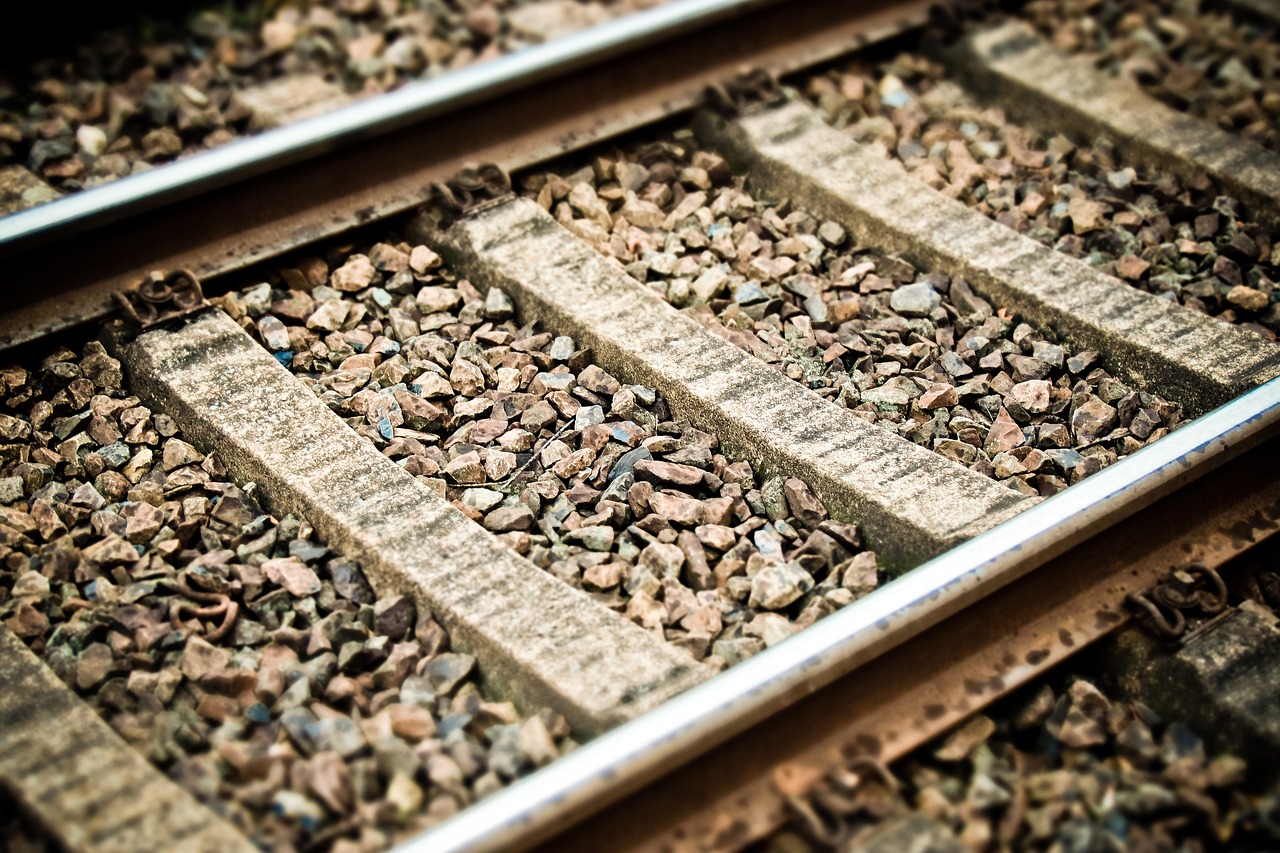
(227, 229)
(609, 767)
(742, 791)
(254, 155)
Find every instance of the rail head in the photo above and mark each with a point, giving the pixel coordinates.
(625, 758)
(255, 155)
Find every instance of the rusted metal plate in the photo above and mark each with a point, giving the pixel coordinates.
(734, 794)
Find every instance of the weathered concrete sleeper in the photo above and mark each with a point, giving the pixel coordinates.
(85, 785)
(789, 151)
(537, 639)
(912, 503)
(1018, 69)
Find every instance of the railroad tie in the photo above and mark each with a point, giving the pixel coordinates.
(789, 151)
(1016, 68)
(82, 782)
(537, 639)
(911, 503)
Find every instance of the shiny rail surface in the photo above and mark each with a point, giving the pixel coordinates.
(611, 766)
(219, 230)
(617, 763)
(246, 158)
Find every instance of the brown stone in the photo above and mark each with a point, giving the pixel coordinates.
(939, 396)
(1093, 420)
(111, 550)
(668, 472)
(1005, 434)
(291, 573)
(804, 505)
(676, 508)
(1248, 299)
(509, 518)
(200, 658)
(355, 274)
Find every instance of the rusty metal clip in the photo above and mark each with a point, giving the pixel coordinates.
(218, 604)
(1194, 588)
(473, 189)
(748, 92)
(161, 297)
(1156, 619)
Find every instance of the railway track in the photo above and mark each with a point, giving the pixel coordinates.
(649, 468)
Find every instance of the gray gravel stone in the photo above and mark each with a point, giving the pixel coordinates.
(777, 585)
(447, 670)
(915, 300)
(11, 490)
(337, 734)
(509, 518)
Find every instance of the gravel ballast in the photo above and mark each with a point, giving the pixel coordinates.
(235, 650)
(1185, 241)
(157, 90)
(1195, 56)
(918, 353)
(588, 478)
(1057, 766)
